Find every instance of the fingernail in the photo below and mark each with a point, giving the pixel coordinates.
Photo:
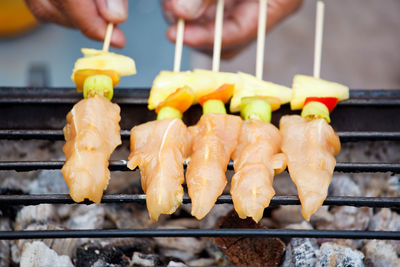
(116, 9)
(191, 8)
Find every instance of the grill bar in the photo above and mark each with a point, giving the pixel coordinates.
(373, 202)
(125, 134)
(264, 233)
(120, 165)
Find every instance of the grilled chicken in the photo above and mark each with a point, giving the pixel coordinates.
(159, 149)
(310, 147)
(214, 139)
(92, 133)
(255, 158)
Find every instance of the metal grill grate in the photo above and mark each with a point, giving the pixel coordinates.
(29, 113)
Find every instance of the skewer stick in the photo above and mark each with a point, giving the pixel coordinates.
(218, 35)
(262, 26)
(178, 44)
(107, 38)
(319, 27)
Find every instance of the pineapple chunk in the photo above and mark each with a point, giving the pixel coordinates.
(165, 84)
(248, 85)
(102, 60)
(307, 86)
(201, 81)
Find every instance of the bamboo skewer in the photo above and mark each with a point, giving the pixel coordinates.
(107, 38)
(319, 27)
(262, 26)
(179, 44)
(218, 35)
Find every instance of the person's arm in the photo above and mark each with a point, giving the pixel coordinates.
(90, 16)
(240, 23)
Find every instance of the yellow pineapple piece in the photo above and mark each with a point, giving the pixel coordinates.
(104, 60)
(248, 85)
(165, 84)
(307, 86)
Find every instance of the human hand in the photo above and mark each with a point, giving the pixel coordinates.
(239, 27)
(90, 16)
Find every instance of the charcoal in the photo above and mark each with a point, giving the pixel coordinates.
(386, 220)
(249, 251)
(301, 252)
(343, 185)
(129, 245)
(333, 255)
(49, 182)
(140, 259)
(90, 254)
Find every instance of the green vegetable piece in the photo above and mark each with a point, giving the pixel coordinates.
(316, 110)
(98, 85)
(214, 106)
(255, 109)
(169, 113)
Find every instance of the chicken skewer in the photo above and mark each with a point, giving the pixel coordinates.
(159, 147)
(214, 138)
(309, 142)
(92, 131)
(257, 158)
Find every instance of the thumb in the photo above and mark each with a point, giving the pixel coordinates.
(115, 11)
(189, 9)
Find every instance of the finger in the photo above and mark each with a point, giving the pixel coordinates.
(280, 9)
(115, 11)
(188, 10)
(239, 28)
(85, 16)
(45, 11)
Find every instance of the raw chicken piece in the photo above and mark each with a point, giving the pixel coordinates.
(92, 133)
(159, 149)
(310, 147)
(214, 138)
(255, 159)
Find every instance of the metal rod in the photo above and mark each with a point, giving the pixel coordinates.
(373, 202)
(120, 165)
(254, 233)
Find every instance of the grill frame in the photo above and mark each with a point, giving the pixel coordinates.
(373, 104)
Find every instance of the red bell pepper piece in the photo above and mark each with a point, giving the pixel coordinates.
(329, 102)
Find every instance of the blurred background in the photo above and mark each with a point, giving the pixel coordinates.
(361, 46)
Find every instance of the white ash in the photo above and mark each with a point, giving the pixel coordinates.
(177, 254)
(49, 182)
(380, 253)
(63, 246)
(301, 252)
(5, 251)
(176, 264)
(86, 217)
(43, 213)
(140, 259)
(304, 225)
(38, 254)
(335, 255)
(386, 220)
(285, 215)
(216, 213)
(189, 244)
(128, 216)
(322, 218)
(202, 262)
(393, 186)
(343, 185)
